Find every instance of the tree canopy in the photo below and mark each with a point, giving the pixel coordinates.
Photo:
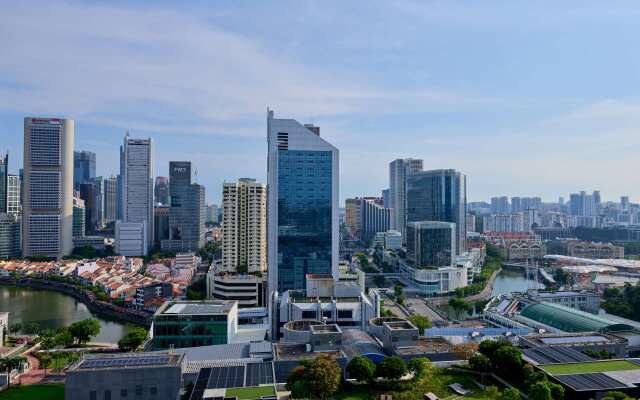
(83, 331)
(361, 368)
(392, 368)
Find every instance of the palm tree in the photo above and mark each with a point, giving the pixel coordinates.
(18, 363)
(45, 358)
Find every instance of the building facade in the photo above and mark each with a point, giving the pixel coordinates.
(161, 191)
(374, 218)
(14, 195)
(47, 223)
(302, 230)
(439, 195)
(136, 171)
(9, 236)
(4, 184)
(503, 223)
(247, 290)
(186, 212)
(110, 200)
(212, 213)
(160, 225)
(79, 218)
(431, 243)
(399, 170)
(244, 226)
(84, 167)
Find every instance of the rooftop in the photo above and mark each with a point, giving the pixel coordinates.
(425, 345)
(196, 307)
(571, 320)
(128, 360)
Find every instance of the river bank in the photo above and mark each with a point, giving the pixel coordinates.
(89, 299)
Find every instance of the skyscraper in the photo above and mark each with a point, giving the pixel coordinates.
(244, 223)
(374, 217)
(84, 167)
(302, 205)
(4, 182)
(91, 195)
(399, 170)
(136, 163)
(48, 187)
(186, 213)
(79, 218)
(9, 236)
(14, 196)
(431, 243)
(439, 195)
(162, 190)
(110, 200)
(212, 213)
(500, 205)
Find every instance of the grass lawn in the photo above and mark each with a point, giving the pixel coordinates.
(34, 392)
(354, 395)
(251, 393)
(589, 367)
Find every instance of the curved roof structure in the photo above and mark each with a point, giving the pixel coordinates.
(358, 343)
(571, 320)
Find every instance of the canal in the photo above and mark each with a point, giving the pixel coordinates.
(52, 310)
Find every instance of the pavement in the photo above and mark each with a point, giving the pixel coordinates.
(420, 307)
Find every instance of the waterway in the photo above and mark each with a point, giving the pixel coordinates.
(506, 282)
(53, 309)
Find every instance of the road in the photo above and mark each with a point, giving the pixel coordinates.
(420, 307)
(391, 305)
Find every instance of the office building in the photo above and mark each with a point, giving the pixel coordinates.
(91, 194)
(4, 183)
(79, 218)
(84, 167)
(392, 240)
(503, 223)
(624, 203)
(123, 376)
(212, 214)
(399, 170)
(386, 198)
(583, 204)
(431, 243)
(439, 195)
(14, 195)
(302, 230)
(110, 200)
(247, 290)
(500, 205)
(194, 323)
(136, 172)
(351, 213)
(160, 225)
(471, 223)
(162, 190)
(48, 182)
(244, 226)
(186, 212)
(516, 204)
(374, 217)
(131, 238)
(9, 236)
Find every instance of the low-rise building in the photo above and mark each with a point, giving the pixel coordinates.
(247, 290)
(594, 250)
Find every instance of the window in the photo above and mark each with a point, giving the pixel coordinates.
(153, 390)
(123, 393)
(107, 394)
(308, 315)
(138, 390)
(93, 395)
(345, 313)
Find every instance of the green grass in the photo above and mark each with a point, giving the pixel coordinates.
(251, 393)
(354, 395)
(34, 392)
(589, 367)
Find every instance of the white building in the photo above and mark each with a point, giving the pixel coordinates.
(136, 171)
(247, 290)
(392, 240)
(14, 205)
(398, 171)
(431, 281)
(503, 223)
(47, 222)
(244, 226)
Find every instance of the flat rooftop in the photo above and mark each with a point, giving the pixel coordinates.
(197, 308)
(425, 345)
(128, 360)
(298, 351)
(331, 328)
(399, 325)
(575, 339)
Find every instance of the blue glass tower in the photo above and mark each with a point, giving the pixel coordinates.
(302, 228)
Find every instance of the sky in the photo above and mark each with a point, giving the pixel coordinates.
(526, 98)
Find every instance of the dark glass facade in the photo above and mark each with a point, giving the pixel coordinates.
(439, 195)
(189, 331)
(84, 167)
(4, 180)
(431, 244)
(304, 216)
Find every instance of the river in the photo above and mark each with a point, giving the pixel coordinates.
(52, 310)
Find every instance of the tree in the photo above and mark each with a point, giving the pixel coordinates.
(557, 391)
(132, 340)
(296, 375)
(488, 348)
(540, 391)
(459, 305)
(419, 367)
(492, 392)
(511, 394)
(534, 378)
(15, 328)
(398, 290)
(392, 368)
(421, 322)
(508, 360)
(361, 368)
(323, 376)
(616, 396)
(45, 359)
(481, 363)
(83, 331)
(299, 390)
(63, 338)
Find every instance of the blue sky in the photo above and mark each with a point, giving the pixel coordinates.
(526, 98)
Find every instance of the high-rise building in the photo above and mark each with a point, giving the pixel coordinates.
(500, 205)
(351, 213)
(84, 167)
(431, 243)
(583, 204)
(4, 182)
(48, 187)
(503, 223)
(374, 217)
(14, 196)
(399, 170)
(91, 194)
(186, 213)
(160, 225)
(244, 226)
(624, 203)
(439, 195)
(516, 204)
(471, 223)
(9, 236)
(162, 190)
(79, 218)
(136, 163)
(212, 213)
(110, 200)
(302, 227)
(386, 198)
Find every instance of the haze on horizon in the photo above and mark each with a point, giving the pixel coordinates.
(525, 98)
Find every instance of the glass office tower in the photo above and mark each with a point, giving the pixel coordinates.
(302, 204)
(431, 243)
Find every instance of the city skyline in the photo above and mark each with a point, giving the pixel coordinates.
(466, 94)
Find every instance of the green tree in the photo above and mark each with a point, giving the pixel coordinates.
(560, 276)
(299, 390)
(508, 360)
(421, 322)
(83, 331)
(361, 368)
(511, 394)
(63, 338)
(492, 392)
(323, 376)
(540, 391)
(419, 367)
(459, 305)
(481, 363)
(488, 348)
(616, 396)
(392, 368)
(297, 374)
(45, 359)
(134, 339)
(557, 391)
